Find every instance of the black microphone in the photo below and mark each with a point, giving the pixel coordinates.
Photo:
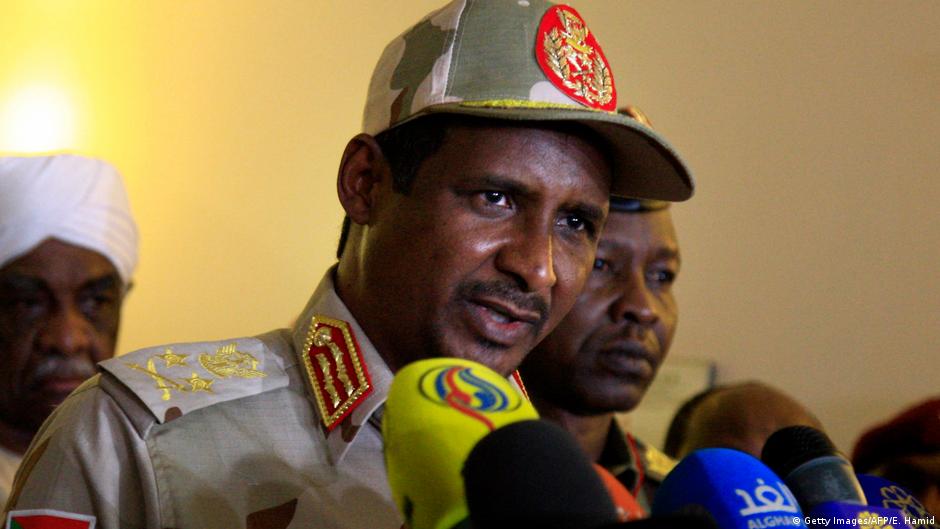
(811, 466)
(822, 480)
(533, 474)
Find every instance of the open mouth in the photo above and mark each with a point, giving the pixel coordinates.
(507, 313)
(501, 323)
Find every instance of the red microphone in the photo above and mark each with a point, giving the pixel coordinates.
(627, 506)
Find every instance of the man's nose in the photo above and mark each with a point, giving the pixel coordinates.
(66, 332)
(635, 302)
(528, 257)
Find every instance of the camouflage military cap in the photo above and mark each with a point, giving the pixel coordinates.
(520, 60)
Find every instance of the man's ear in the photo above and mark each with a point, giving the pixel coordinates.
(361, 169)
(127, 288)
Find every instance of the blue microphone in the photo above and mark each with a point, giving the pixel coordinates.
(736, 489)
(881, 492)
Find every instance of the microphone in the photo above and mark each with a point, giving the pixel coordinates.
(810, 464)
(735, 488)
(627, 506)
(437, 410)
(823, 481)
(533, 474)
(883, 493)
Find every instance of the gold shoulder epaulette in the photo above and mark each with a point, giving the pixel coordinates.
(657, 463)
(174, 380)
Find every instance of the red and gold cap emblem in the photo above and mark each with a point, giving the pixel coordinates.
(572, 59)
(335, 368)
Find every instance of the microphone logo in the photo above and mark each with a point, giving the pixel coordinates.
(894, 497)
(467, 391)
(767, 499)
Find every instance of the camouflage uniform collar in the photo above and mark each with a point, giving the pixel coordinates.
(340, 429)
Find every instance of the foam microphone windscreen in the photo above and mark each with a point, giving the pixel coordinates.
(533, 474)
(437, 410)
(812, 467)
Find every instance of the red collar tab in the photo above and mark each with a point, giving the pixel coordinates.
(516, 376)
(572, 60)
(49, 519)
(336, 369)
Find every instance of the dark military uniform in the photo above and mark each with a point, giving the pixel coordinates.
(640, 467)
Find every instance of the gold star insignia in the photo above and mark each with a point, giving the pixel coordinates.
(172, 359)
(200, 384)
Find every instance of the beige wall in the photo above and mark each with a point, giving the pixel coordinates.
(810, 249)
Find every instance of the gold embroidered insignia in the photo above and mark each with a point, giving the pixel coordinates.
(196, 383)
(572, 60)
(164, 384)
(173, 359)
(335, 369)
(230, 362)
(227, 362)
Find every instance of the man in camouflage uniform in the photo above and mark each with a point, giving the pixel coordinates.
(605, 353)
(474, 199)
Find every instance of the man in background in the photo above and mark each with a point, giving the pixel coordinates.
(602, 357)
(906, 450)
(68, 248)
(740, 416)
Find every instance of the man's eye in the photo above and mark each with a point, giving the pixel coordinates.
(601, 265)
(663, 277)
(577, 223)
(28, 303)
(497, 198)
(24, 306)
(91, 304)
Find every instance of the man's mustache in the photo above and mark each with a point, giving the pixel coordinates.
(61, 367)
(511, 294)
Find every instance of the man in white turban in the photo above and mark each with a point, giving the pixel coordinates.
(68, 247)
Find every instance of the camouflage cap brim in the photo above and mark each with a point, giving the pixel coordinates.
(645, 165)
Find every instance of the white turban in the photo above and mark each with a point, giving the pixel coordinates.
(77, 200)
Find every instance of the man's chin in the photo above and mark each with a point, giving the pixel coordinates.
(503, 360)
(619, 399)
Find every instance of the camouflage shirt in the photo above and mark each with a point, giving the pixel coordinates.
(214, 435)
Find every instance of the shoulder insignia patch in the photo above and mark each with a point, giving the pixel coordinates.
(48, 519)
(177, 379)
(658, 464)
(335, 369)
